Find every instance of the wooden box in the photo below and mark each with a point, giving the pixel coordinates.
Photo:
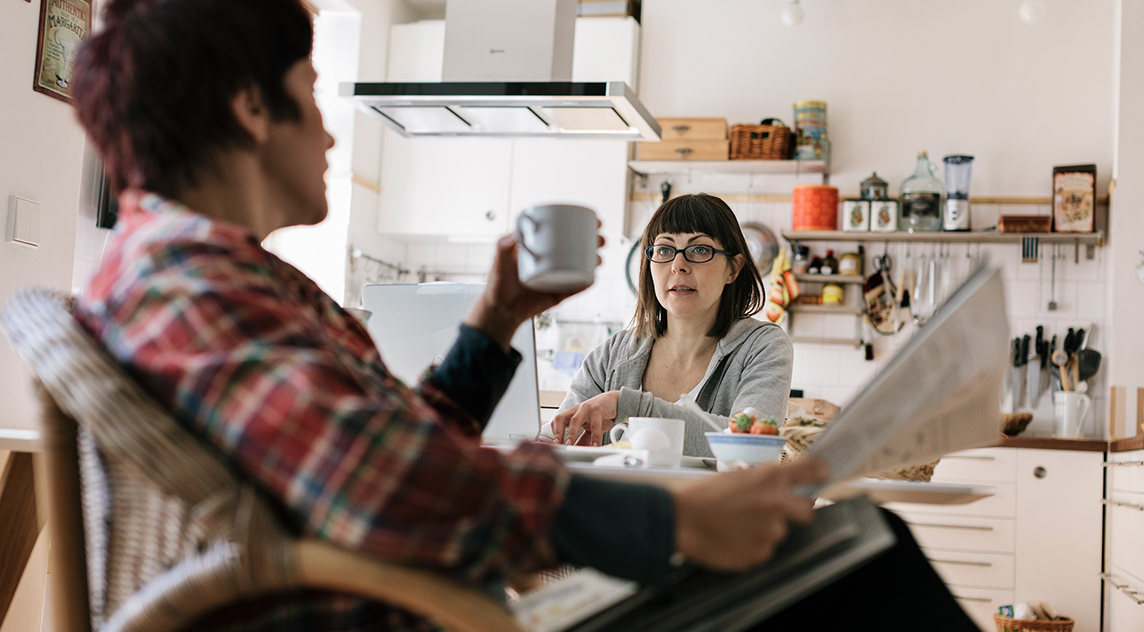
(685, 150)
(1024, 224)
(692, 128)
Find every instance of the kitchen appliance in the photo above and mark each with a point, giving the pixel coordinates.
(507, 72)
(415, 325)
(958, 170)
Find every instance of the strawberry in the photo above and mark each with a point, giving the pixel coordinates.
(741, 422)
(765, 427)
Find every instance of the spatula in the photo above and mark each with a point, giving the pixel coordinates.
(1088, 360)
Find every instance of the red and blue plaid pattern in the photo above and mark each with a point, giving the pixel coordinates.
(251, 355)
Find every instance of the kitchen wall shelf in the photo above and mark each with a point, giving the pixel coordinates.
(823, 309)
(650, 167)
(849, 342)
(966, 237)
(843, 279)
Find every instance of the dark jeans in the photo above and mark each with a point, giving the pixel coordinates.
(898, 590)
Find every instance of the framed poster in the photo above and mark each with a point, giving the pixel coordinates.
(63, 23)
(1074, 198)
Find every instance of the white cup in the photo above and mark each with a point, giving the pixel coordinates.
(1070, 412)
(557, 247)
(649, 433)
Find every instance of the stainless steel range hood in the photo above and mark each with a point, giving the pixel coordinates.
(506, 73)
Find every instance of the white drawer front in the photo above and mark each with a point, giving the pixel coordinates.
(978, 570)
(994, 535)
(981, 603)
(985, 464)
(1122, 612)
(1003, 503)
(1126, 478)
(1126, 535)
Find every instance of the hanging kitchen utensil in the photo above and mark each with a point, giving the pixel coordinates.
(632, 267)
(1053, 281)
(1015, 382)
(762, 244)
(879, 297)
(1088, 360)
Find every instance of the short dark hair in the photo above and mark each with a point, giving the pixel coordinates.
(699, 213)
(153, 88)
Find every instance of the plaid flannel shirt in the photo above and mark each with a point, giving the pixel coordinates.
(249, 353)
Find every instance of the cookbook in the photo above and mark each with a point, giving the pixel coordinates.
(939, 394)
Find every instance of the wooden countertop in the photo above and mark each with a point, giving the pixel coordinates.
(1051, 443)
(1125, 445)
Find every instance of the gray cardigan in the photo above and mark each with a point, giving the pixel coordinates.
(757, 373)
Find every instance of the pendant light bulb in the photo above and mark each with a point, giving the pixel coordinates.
(1032, 11)
(792, 14)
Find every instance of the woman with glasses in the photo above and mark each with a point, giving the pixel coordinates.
(692, 335)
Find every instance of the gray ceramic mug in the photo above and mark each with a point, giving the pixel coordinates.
(557, 247)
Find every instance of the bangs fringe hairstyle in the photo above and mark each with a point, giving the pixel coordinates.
(153, 88)
(699, 213)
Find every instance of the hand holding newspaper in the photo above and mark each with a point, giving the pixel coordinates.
(941, 393)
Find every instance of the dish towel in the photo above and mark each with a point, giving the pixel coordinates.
(784, 289)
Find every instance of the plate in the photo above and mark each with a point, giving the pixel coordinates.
(587, 454)
(882, 491)
(762, 245)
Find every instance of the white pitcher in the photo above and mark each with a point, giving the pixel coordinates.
(1070, 413)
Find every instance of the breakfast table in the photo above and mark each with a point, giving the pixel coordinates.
(20, 524)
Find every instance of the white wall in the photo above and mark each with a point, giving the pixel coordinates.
(899, 76)
(1126, 298)
(41, 156)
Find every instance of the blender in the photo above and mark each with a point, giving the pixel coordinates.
(957, 171)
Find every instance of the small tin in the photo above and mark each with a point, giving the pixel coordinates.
(855, 215)
(874, 188)
(883, 216)
(810, 125)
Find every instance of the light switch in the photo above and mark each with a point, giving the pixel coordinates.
(23, 221)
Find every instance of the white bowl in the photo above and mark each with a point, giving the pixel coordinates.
(751, 449)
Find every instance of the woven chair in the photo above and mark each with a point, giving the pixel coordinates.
(152, 530)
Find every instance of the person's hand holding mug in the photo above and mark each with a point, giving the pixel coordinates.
(507, 301)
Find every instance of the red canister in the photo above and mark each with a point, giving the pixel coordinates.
(815, 207)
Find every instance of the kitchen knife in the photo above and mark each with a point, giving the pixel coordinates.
(1033, 375)
(1016, 381)
(1022, 370)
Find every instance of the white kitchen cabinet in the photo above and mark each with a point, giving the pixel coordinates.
(1037, 539)
(1124, 541)
(477, 186)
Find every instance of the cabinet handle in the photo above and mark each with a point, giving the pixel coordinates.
(679, 129)
(962, 563)
(963, 527)
(1116, 503)
(683, 151)
(974, 599)
(1124, 588)
(490, 215)
(1121, 463)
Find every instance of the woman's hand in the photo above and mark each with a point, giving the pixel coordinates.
(506, 303)
(594, 416)
(734, 521)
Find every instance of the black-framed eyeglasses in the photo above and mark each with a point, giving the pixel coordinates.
(695, 253)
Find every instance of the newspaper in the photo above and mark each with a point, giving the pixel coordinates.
(941, 393)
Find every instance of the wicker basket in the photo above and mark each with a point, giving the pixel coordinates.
(801, 432)
(771, 140)
(1005, 624)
